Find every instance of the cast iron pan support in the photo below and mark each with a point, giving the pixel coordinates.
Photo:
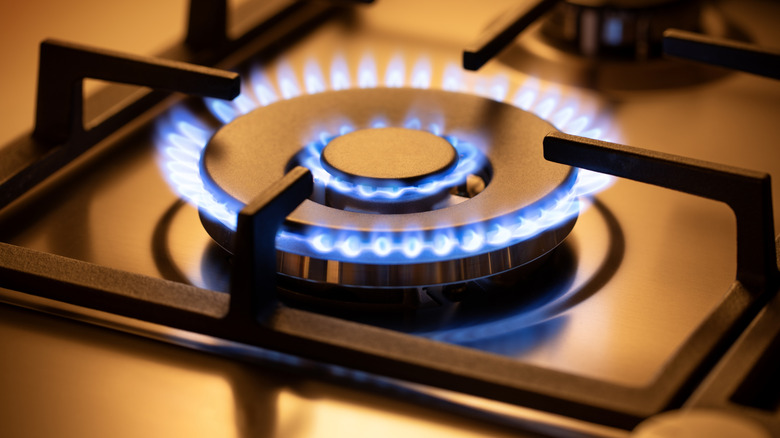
(60, 135)
(206, 24)
(734, 55)
(503, 31)
(253, 289)
(748, 193)
(63, 67)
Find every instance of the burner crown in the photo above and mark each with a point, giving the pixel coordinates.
(387, 157)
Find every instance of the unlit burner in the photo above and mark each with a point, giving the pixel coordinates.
(628, 29)
(616, 44)
(525, 210)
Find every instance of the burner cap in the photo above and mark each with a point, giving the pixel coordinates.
(387, 157)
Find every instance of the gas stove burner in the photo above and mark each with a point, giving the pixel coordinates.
(616, 44)
(493, 208)
(469, 238)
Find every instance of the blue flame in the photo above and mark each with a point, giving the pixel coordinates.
(261, 87)
(288, 82)
(182, 138)
(493, 88)
(421, 74)
(367, 77)
(526, 95)
(453, 78)
(313, 79)
(396, 72)
(447, 242)
(339, 73)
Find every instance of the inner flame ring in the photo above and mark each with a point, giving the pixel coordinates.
(470, 160)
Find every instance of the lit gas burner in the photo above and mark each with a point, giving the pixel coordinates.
(469, 238)
(414, 187)
(616, 44)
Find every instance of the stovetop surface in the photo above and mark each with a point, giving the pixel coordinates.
(645, 265)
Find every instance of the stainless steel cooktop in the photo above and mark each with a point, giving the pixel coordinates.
(640, 273)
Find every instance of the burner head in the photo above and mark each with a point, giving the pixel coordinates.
(506, 225)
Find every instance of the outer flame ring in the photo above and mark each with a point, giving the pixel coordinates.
(184, 136)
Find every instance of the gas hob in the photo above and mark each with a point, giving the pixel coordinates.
(628, 308)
